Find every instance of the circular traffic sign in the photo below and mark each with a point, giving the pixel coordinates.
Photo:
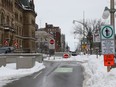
(51, 41)
(6, 42)
(66, 55)
(107, 32)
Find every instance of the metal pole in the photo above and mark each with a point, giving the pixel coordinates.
(112, 19)
(112, 22)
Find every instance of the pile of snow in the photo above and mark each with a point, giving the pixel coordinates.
(9, 73)
(96, 74)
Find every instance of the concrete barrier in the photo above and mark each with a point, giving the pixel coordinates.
(22, 60)
(11, 59)
(39, 58)
(2, 61)
(25, 62)
(61, 54)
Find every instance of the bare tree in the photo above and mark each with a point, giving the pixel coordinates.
(87, 29)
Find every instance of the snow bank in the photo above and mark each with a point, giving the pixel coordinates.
(9, 73)
(96, 74)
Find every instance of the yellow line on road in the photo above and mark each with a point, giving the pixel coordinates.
(37, 75)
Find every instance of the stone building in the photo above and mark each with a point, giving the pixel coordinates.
(17, 24)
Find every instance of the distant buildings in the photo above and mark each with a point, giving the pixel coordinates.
(17, 28)
(42, 40)
(17, 24)
(50, 32)
(63, 43)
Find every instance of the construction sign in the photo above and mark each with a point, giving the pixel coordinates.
(108, 59)
(84, 46)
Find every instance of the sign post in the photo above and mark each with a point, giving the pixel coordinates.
(51, 46)
(108, 45)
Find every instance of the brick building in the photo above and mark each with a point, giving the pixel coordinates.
(17, 24)
(63, 43)
(55, 32)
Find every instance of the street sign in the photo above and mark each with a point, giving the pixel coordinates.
(15, 44)
(51, 41)
(84, 46)
(108, 59)
(6, 43)
(108, 47)
(51, 44)
(107, 39)
(65, 55)
(107, 32)
(96, 37)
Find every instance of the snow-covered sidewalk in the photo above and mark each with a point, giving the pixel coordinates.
(9, 73)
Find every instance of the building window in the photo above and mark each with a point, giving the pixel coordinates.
(33, 22)
(16, 16)
(33, 34)
(2, 19)
(7, 20)
(21, 18)
(12, 22)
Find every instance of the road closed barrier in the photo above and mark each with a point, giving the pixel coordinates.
(22, 60)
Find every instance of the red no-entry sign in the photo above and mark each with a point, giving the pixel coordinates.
(51, 44)
(66, 55)
(51, 41)
(6, 43)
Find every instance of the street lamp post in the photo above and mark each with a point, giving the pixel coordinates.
(88, 37)
(106, 13)
(110, 11)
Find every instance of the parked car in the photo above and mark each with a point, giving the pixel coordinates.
(6, 50)
(74, 54)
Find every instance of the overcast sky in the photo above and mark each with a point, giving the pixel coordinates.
(62, 12)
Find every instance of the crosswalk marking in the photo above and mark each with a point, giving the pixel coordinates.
(64, 70)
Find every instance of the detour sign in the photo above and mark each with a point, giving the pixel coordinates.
(108, 59)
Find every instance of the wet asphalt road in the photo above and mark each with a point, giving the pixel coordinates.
(56, 74)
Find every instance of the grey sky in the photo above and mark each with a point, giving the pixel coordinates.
(62, 12)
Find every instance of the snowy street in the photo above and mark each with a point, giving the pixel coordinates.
(94, 71)
(54, 75)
